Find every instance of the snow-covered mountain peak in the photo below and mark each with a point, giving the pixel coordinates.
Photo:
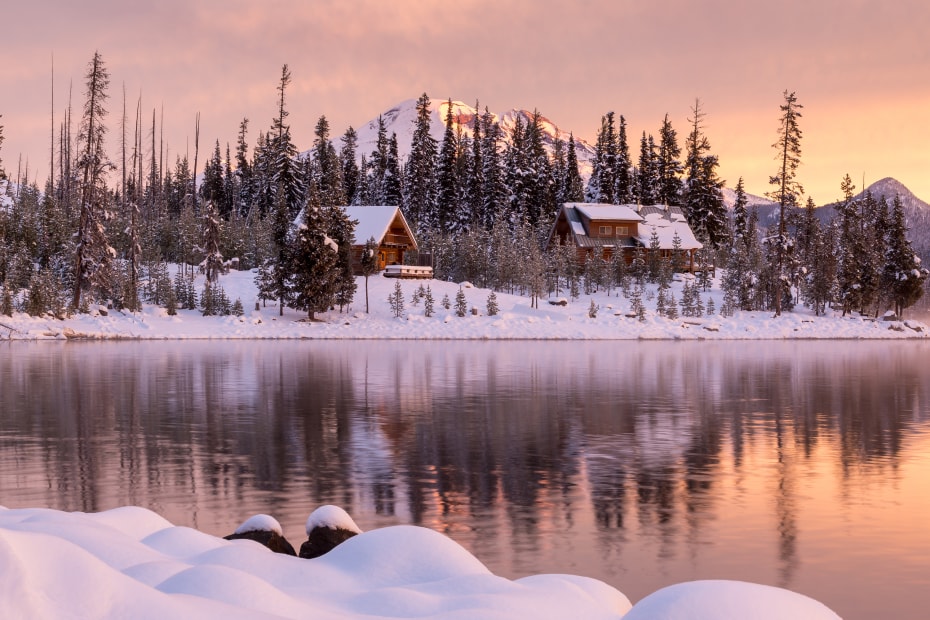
(400, 119)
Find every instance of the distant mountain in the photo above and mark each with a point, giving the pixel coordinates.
(889, 188)
(400, 118)
(763, 206)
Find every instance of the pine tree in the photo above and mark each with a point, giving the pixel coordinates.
(474, 185)
(461, 304)
(396, 300)
(93, 254)
(279, 263)
(788, 189)
(601, 184)
(668, 165)
(850, 248)
(350, 171)
(703, 191)
(447, 178)
(492, 307)
(6, 302)
(572, 184)
(212, 263)
(284, 172)
(326, 167)
(428, 302)
(623, 176)
(420, 171)
(243, 173)
(903, 277)
(314, 262)
(647, 180)
(495, 189)
(392, 193)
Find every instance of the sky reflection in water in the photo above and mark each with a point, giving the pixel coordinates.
(803, 465)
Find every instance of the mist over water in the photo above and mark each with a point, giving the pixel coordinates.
(804, 465)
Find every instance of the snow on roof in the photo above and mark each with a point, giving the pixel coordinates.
(606, 212)
(571, 214)
(260, 523)
(665, 230)
(374, 221)
(332, 517)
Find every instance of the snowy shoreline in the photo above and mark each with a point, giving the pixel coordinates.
(514, 321)
(131, 562)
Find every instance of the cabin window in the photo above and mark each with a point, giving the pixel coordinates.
(623, 231)
(605, 231)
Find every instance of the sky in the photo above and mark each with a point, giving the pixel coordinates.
(860, 68)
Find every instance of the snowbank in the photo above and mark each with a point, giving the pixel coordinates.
(516, 319)
(130, 563)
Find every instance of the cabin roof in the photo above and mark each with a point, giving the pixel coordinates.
(623, 213)
(374, 221)
(665, 221)
(665, 230)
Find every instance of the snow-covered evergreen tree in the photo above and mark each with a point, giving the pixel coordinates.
(448, 206)
(461, 303)
(787, 193)
(572, 185)
(93, 255)
(285, 174)
(420, 192)
(602, 182)
(703, 190)
(668, 165)
(646, 176)
(351, 176)
(623, 176)
(495, 189)
(212, 263)
(396, 300)
(492, 307)
(314, 261)
(903, 276)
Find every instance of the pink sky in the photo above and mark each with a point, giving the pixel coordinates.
(861, 68)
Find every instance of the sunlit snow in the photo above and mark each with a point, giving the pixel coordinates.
(131, 563)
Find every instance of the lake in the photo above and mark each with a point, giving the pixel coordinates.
(804, 465)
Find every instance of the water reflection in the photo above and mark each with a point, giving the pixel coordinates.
(638, 463)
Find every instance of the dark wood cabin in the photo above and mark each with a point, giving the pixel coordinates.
(390, 230)
(604, 229)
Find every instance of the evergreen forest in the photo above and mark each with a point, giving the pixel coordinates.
(124, 228)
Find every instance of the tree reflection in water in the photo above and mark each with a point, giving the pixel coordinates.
(638, 463)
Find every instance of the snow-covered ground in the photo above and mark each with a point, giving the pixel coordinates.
(516, 319)
(131, 563)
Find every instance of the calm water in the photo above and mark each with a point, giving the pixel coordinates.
(803, 465)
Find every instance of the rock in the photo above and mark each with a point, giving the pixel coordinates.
(327, 527)
(264, 530)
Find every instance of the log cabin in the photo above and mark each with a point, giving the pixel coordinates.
(390, 230)
(603, 229)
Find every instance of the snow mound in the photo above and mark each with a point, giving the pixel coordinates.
(332, 517)
(713, 600)
(130, 563)
(260, 523)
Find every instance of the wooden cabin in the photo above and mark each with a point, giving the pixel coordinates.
(603, 229)
(389, 228)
